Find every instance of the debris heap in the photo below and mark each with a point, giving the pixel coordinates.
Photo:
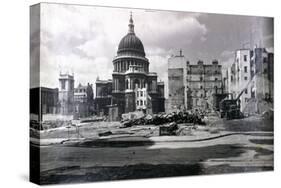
(159, 119)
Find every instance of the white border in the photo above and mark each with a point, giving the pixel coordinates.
(14, 41)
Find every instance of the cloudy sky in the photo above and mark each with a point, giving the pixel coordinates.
(84, 39)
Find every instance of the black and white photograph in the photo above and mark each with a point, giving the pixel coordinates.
(127, 93)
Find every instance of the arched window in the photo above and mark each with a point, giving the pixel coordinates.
(127, 84)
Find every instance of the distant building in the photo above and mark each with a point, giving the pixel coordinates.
(49, 100)
(161, 96)
(103, 96)
(83, 100)
(262, 65)
(66, 93)
(251, 72)
(192, 86)
(80, 94)
(202, 82)
(141, 98)
(240, 76)
(176, 83)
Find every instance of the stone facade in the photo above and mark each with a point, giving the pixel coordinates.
(202, 82)
(131, 74)
(66, 93)
(83, 100)
(103, 96)
(192, 86)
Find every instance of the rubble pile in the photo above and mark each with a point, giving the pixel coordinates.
(159, 119)
(93, 119)
(51, 124)
(168, 129)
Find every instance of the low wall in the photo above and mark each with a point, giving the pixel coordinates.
(53, 117)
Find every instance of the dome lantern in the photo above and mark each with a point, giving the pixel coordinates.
(130, 44)
(131, 25)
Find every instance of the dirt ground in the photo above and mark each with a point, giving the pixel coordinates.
(139, 152)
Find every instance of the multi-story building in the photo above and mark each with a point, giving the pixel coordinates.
(202, 82)
(141, 98)
(160, 102)
(80, 93)
(83, 100)
(49, 100)
(66, 93)
(176, 84)
(262, 67)
(192, 86)
(241, 77)
(103, 96)
(250, 78)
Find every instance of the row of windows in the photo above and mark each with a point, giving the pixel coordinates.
(245, 58)
(201, 87)
(80, 96)
(140, 94)
(80, 90)
(201, 79)
(202, 72)
(124, 65)
(141, 102)
(245, 78)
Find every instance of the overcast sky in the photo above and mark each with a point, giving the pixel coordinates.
(84, 39)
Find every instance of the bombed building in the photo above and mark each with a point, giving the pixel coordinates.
(192, 86)
(103, 96)
(251, 77)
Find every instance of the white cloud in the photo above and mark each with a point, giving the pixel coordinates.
(227, 58)
(84, 39)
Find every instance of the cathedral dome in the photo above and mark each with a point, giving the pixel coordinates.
(130, 44)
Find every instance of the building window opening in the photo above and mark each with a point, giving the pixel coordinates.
(245, 57)
(127, 84)
(245, 69)
(245, 78)
(63, 84)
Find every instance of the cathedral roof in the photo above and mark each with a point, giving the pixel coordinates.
(130, 44)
